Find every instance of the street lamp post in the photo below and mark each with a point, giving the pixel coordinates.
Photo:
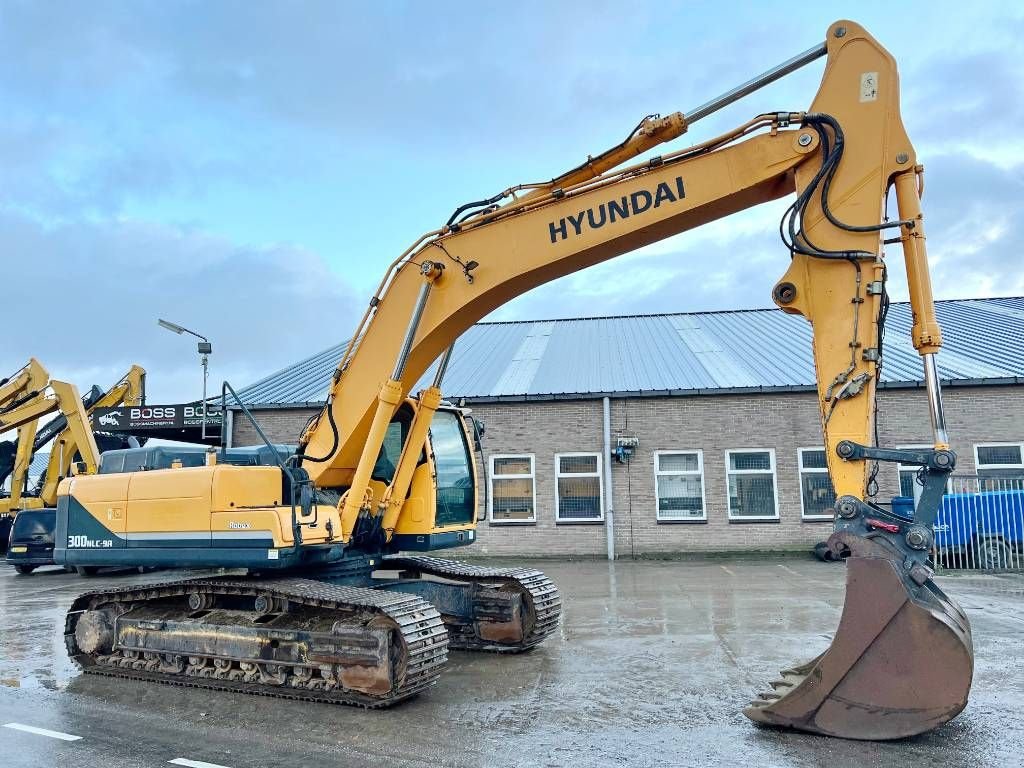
(205, 349)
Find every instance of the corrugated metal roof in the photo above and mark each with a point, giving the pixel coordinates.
(701, 352)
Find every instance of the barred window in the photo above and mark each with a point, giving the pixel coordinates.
(1000, 465)
(513, 491)
(817, 496)
(751, 484)
(679, 485)
(579, 496)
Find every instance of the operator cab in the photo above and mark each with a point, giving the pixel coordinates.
(447, 462)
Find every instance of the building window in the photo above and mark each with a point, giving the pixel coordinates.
(679, 485)
(908, 474)
(513, 496)
(1000, 465)
(817, 496)
(751, 481)
(579, 497)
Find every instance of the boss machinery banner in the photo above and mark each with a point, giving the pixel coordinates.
(147, 417)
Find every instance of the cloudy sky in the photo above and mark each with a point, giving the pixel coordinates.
(248, 169)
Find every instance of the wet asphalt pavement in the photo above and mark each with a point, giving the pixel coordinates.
(651, 668)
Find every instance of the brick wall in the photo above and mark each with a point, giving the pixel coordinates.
(783, 421)
(283, 425)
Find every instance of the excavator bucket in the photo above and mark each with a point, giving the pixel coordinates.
(900, 664)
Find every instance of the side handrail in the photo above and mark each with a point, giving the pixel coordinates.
(296, 483)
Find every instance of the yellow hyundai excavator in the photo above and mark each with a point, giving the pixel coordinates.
(329, 611)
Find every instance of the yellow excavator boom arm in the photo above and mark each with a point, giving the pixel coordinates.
(129, 390)
(58, 396)
(26, 382)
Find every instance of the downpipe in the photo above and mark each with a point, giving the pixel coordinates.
(609, 495)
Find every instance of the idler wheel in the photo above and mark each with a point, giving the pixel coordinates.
(94, 633)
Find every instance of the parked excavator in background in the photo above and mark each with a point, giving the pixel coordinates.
(129, 390)
(29, 396)
(24, 385)
(330, 611)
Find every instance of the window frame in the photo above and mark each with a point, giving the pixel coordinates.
(979, 468)
(599, 474)
(491, 477)
(800, 469)
(775, 486)
(699, 473)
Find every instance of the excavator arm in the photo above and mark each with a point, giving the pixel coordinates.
(901, 661)
(129, 390)
(19, 389)
(24, 383)
(57, 396)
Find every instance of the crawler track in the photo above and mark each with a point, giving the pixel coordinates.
(541, 600)
(390, 646)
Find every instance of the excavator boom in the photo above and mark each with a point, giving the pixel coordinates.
(24, 417)
(129, 390)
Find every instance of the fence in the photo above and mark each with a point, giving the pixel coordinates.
(980, 525)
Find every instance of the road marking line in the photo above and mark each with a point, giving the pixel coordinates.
(789, 570)
(194, 763)
(727, 570)
(41, 732)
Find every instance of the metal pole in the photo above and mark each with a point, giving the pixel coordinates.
(765, 78)
(228, 427)
(931, 380)
(609, 528)
(206, 372)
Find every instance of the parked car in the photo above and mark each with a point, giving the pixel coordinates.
(31, 542)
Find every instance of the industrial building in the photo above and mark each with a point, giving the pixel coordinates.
(688, 432)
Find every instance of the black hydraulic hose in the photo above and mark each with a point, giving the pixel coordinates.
(475, 204)
(840, 141)
(798, 240)
(581, 166)
(335, 440)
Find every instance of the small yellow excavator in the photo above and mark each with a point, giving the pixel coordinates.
(25, 398)
(130, 390)
(329, 608)
(29, 396)
(17, 392)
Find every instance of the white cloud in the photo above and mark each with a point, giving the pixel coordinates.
(93, 293)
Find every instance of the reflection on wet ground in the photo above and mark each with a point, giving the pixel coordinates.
(652, 666)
